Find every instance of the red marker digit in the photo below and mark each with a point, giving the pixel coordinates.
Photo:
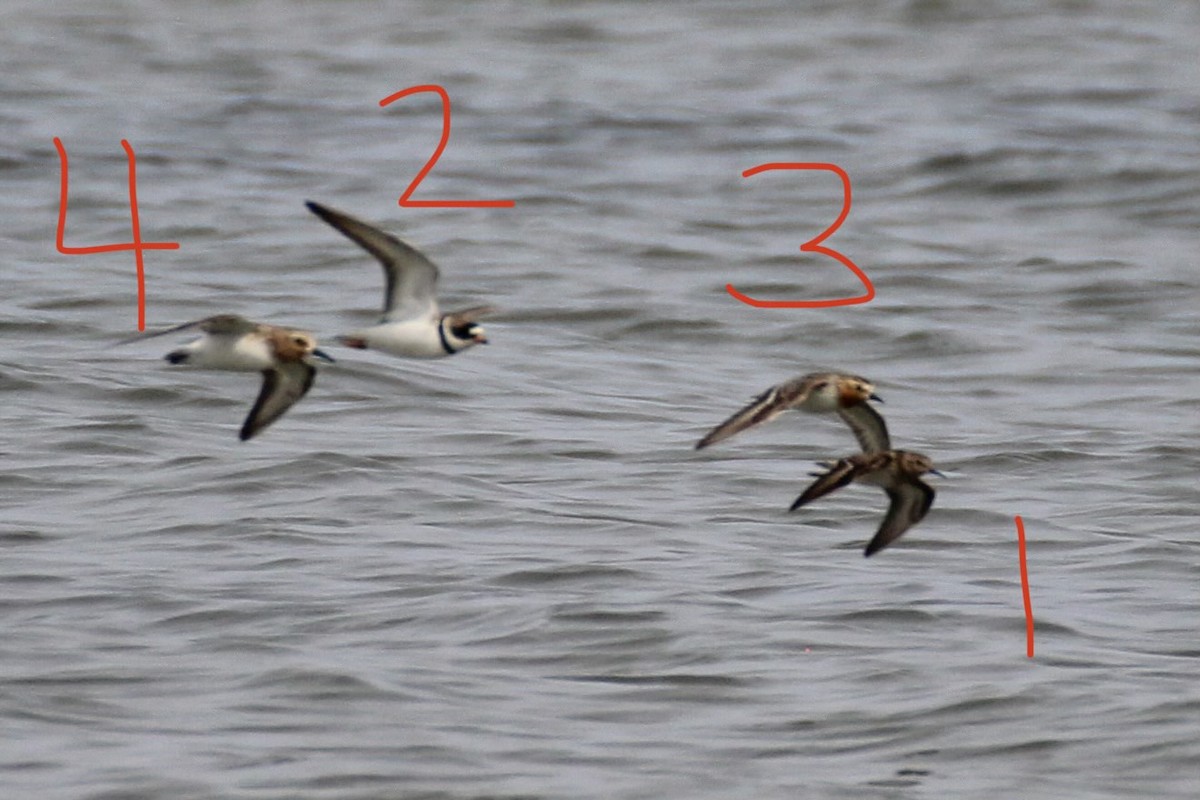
(1025, 588)
(437, 153)
(814, 245)
(137, 245)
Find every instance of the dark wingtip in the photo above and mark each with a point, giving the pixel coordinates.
(248, 429)
(176, 356)
(321, 211)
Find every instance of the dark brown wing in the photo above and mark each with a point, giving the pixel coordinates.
(281, 388)
(764, 408)
(838, 476)
(908, 504)
(868, 427)
(220, 324)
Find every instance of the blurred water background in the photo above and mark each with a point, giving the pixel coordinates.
(508, 574)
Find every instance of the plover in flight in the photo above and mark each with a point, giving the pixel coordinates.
(411, 325)
(819, 392)
(234, 343)
(897, 472)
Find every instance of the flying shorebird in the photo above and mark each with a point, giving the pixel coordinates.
(411, 324)
(819, 392)
(234, 343)
(897, 472)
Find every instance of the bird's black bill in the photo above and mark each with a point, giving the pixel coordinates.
(321, 354)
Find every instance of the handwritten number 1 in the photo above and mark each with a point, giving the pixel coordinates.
(814, 245)
(437, 153)
(1025, 587)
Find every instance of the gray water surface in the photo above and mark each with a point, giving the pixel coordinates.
(508, 574)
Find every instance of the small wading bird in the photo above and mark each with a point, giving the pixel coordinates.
(234, 343)
(897, 472)
(818, 393)
(411, 324)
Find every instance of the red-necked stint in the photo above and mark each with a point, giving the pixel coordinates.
(411, 325)
(819, 392)
(234, 343)
(897, 472)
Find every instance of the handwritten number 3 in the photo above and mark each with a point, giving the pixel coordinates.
(814, 245)
(404, 198)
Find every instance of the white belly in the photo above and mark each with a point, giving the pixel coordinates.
(248, 353)
(417, 338)
(822, 401)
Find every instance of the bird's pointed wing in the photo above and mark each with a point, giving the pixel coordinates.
(468, 315)
(764, 408)
(410, 277)
(868, 427)
(840, 474)
(908, 504)
(218, 325)
(281, 388)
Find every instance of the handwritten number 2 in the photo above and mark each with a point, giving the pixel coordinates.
(814, 245)
(437, 153)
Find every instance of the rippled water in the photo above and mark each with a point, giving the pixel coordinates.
(507, 574)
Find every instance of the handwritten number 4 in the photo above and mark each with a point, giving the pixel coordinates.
(137, 245)
(437, 153)
(814, 245)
